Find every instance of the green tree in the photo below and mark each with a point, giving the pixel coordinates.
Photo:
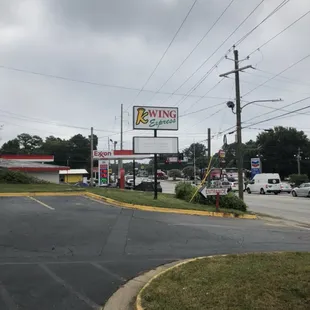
(175, 173)
(279, 147)
(198, 151)
(10, 147)
(30, 144)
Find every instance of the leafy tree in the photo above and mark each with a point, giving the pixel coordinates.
(175, 173)
(189, 171)
(30, 144)
(10, 147)
(198, 151)
(298, 179)
(279, 147)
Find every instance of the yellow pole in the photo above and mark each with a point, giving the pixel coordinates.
(204, 179)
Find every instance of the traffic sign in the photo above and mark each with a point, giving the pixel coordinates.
(213, 191)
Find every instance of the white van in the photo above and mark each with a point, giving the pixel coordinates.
(265, 183)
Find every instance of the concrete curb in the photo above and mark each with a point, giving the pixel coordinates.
(125, 297)
(167, 210)
(128, 297)
(138, 304)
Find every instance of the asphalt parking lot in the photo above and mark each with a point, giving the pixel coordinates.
(73, 252)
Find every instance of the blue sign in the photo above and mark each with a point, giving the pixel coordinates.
(255, 167)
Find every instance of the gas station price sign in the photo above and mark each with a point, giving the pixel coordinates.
(103, 173)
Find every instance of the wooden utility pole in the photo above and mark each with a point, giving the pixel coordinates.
(91, 156)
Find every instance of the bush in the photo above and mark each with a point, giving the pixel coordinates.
(229, 201)
(185, 191)
(298, 179)
(175, 173)
(17, 177)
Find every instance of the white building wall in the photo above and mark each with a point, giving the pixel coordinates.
(52, 177)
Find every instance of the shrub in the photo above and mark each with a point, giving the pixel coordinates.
(175, 173)
(229, 201)
(185, 191)
(298, 179)
(17, 177)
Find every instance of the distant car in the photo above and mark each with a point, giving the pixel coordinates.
(285, 188)
(148, 186)
(303, 190)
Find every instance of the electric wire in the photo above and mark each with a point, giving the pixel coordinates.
(279, 33)
(205, 61)
(163, 55)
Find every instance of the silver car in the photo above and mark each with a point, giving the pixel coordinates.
(303, 190)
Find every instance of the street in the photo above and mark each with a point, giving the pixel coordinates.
(283, 206)
(74, 253)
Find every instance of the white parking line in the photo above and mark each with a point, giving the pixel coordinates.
(41, 203)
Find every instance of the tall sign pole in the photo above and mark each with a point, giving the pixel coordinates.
(155, 170)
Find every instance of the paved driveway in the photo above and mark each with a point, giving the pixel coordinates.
(73, 252)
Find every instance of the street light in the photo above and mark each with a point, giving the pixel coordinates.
(231, 105)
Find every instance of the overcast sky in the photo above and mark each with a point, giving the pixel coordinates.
(120, 42)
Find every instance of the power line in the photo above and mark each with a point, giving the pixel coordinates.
(258, 116)
(268, 86)
(196, 46)
(34, 120)
(279, 116)
(93, 83)
(163, 55)
(280, 6)
(219, 82)
(279, 33)
(278, 78)
(214, 66)
(273, 77)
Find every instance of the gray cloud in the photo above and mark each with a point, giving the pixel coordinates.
(120, 42)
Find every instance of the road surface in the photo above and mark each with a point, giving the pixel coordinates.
(74, 253)
(283, 206)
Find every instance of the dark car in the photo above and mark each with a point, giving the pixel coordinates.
(148, 186)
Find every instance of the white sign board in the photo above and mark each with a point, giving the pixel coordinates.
(155, 145)
(213, 191)
(172, 159)
(102, 154)
(155, 118)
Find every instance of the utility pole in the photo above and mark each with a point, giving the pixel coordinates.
(239, 139)
(194, 162)
(91, 156)
(209, 154)
(239, 154)
(120, 162)
(298, 157)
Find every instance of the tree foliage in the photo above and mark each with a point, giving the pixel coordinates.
(175, 173)
(74, 152)
(197, 151)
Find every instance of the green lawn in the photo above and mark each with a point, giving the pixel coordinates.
(278, 281)
(19, 188)
(163, 201)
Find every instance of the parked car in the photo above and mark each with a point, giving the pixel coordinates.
(265, 183)
(148, 186)
(303, 190)
(162, 175)
(285, 188)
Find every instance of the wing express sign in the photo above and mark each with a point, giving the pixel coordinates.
(155, 118)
